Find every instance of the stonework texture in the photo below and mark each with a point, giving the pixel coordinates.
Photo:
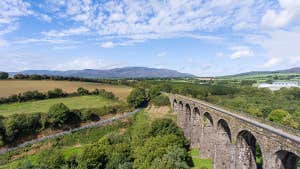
(230, 141)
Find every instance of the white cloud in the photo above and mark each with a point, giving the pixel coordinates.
(3, 43)
(107, 45)
(241, 52)
(161, 54)
(85, 63)
(289, 13)
(11, 10)
(237, 52)
(142, 20)
(272, 62)
(67, 32)
(280, 46)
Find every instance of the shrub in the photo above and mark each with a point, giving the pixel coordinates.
(137, 98)
(3, 75)
(19, 125)
(161, 100)
(55, 93)
(58, 115)
(82, 91)
(164, 127)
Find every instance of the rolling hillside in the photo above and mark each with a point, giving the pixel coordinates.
(126, 72)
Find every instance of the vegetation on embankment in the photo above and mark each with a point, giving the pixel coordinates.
(143, 144)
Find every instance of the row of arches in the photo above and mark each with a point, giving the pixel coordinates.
(246, 152)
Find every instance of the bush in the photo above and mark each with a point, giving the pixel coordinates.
(161, 100)
(3, 75)
(58, 115)
(137, 98)
(82, 91)
(164, 127)
(56, 93)
(19, 125)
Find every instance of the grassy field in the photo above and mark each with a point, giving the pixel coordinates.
(198, 162)
(77, 102)
(10, 87)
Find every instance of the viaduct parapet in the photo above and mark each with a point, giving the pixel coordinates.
(231, 139)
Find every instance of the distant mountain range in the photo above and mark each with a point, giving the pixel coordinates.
(126, 72)
(285, 71)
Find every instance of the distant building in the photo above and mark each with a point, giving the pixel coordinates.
(278, 85)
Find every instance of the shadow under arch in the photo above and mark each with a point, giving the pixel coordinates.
(208, 120)
(224, 127)
(175, 105)
(188, 112)
(288, 160)
(180, 106)
(196, 115)
(248, 153)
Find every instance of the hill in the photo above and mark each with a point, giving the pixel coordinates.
(126, 72)
(294, 70)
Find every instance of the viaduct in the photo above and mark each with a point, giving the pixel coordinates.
(231, 139)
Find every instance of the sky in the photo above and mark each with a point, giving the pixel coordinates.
(202, 37)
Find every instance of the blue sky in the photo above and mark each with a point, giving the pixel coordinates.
(203, 37)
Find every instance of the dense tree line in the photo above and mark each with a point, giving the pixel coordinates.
(56, 93)
(145, 145)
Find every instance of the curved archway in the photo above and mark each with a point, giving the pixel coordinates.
(196, 115)
(248, 153)
(180, 106)
(223, 128)
(224, 148)
(208, 120)
(188, 112)
(287, 160)
(175, 106)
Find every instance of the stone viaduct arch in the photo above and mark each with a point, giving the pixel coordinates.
(233, 140)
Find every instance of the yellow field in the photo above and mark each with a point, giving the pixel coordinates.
(10, 87)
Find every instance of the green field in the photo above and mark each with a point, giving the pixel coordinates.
(77, 102)
(198, 162)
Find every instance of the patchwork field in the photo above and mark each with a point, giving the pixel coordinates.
(43, 105)
(10, 87)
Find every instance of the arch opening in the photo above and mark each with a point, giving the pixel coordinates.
(180, 106)
(175, 106)
(208, 120)
(288, 160)
(223, 128)
(196, 115)
(188, 112)
(249, 155)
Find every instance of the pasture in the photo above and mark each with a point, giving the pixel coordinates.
(10, 87)
(78, 102)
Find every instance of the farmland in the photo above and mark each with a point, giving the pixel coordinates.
(43, 105)
(10, 87)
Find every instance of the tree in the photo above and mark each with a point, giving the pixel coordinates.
(164, 127)
(82, 91)
(137, 98)
(3, 75)
(278, 115)
(58, 115)
(161, 100)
